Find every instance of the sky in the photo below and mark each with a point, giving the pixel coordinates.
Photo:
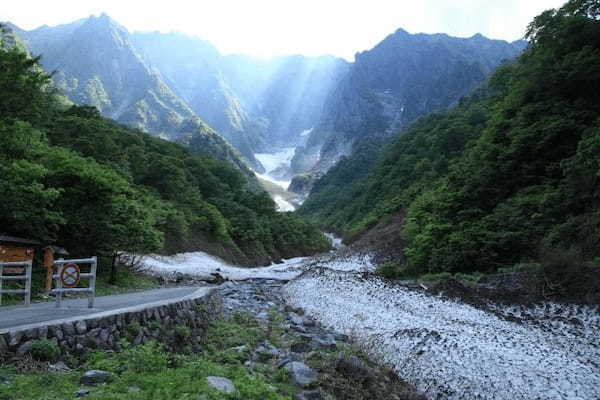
(265, 28)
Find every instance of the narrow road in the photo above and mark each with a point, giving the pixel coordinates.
(18, 316)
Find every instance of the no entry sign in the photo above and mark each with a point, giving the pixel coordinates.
(70, 275)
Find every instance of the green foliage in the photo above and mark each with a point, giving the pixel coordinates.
(390, 270)
(45, 350)
(182, 332)
(96, 187)
(513, 167)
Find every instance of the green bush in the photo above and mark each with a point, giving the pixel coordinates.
(45, 350)
(182, 332)
(389, 270)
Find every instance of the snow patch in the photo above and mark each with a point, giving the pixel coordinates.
(450, 350)
(282, 204)
(202, 265)
(273, 161)
(306, 132)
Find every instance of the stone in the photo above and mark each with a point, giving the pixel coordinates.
(57, 332)
(81, 327)
(323, 342)
(266, 350)
(94, 377)
(223, 385)
(295, 319)
(82, 393)
(24, 348)
(68, 329)
(340, 337)
(15, 338)
(133, 389)
(59, 367)
(309, 322)
(301, 374)
(300, 347)
(3, 345)
(309, 395)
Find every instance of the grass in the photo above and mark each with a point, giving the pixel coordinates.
(148, 372)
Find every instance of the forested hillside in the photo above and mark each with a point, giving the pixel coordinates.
(510, 175)
(72, 177)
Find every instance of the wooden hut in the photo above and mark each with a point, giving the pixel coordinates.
(13, 249)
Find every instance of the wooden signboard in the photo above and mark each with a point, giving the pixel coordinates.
(12, 253)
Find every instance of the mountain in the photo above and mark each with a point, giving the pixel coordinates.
(257, 105)
(95, 63)
(509, 178)
(403, 77)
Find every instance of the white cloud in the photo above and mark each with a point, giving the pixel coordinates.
(268, 27)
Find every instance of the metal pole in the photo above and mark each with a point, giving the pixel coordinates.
(91, 296)
(59, 284)
(28, 269)
(1, 280)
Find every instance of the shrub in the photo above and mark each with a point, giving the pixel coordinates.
(389, 270)
(45, 350)
(182, 332)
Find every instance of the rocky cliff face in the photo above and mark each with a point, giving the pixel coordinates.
(403, 77)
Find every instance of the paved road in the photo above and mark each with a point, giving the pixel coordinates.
(15, 316)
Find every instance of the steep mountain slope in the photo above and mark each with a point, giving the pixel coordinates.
(403, 77)
(258, 105)
(509, 176)
(95, 63)
(72, 177)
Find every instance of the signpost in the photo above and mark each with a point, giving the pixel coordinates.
(69, 276)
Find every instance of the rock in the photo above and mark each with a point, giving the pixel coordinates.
(309, 322)
(266, 350)
(300, 347)
(81, 327)
(309, 395)
(323, 342)
(5, 381)
(295, 319)
(3, 345)
(24, 348)
(223, 385)
(340, 337)
(15, 338)
(94, 377)
(59, 367)
(82, 393)
(354, 368)
(302, 375)
(133, 389)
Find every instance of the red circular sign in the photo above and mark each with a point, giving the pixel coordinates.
(70, 275)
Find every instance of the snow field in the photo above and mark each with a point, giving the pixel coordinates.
(450, 350)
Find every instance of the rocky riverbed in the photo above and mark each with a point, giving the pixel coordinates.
(447, 348)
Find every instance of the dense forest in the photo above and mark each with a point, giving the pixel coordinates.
(74, 178)
(509, 175)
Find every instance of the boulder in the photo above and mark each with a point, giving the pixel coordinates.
(301, 374)
(94, 377)
(223, 385)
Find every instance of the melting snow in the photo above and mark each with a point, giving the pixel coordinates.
(202, 265)
(451, 350)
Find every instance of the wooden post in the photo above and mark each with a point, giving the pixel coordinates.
(49, 265)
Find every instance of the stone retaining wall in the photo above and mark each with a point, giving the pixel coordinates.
(178, 324)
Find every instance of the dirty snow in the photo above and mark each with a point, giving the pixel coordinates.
(451, 350)
(202, 265)
(282, 204)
